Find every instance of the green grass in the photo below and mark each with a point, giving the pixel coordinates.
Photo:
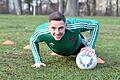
(15, 62)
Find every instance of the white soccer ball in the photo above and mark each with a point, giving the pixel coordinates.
(86, 59)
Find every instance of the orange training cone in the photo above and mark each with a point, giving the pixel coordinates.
(8, 43)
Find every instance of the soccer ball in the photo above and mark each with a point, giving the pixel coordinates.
(86, 59)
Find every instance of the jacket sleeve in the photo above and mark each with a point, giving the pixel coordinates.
(34, 42)
(94, 30)
(83, 25)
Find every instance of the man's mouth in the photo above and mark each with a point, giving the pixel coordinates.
(57, 37)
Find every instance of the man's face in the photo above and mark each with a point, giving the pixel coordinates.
(57, 29)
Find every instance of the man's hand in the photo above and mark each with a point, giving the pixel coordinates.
(86, 48)
(88, 51)
(38, 65)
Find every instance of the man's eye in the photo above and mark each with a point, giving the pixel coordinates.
(60, 28)
(53, 28)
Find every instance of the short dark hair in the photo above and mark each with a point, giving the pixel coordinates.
(56, 16)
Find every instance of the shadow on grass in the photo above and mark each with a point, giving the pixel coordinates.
(63, 60)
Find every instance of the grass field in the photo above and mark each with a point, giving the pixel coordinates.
(15, 62)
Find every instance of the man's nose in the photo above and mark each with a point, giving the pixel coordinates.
(57, 31)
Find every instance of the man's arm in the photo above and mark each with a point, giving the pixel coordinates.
(34, 42)
(83, 25)
(93, 34)
(93, 27)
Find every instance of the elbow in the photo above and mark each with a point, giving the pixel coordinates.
(97, 25)
(31, 40)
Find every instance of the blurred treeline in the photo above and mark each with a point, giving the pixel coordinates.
(68, 7)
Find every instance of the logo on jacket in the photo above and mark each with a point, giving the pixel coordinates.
(51, 44)
(72, 39)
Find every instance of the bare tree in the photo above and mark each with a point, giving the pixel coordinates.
(7, 6)
(11, 7)
(91, 7)
(39, 7)
(61, 6)
(117, 11)
(17, 7)
(109, 8)
(20, 6)
(94, 7)
(88, 8)
(29, 5)
(14, 7)
(72, 8)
